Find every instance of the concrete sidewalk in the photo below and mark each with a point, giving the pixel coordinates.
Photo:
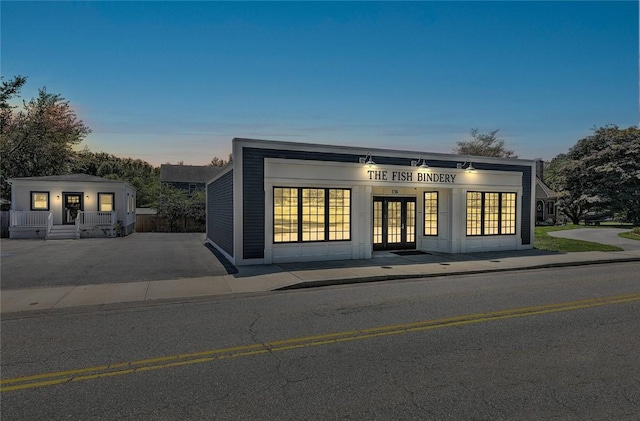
(251, 279)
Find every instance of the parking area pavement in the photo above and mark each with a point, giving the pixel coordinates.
(137, 257)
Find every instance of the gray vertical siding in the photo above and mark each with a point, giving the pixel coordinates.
(220, 212)
(253, 189)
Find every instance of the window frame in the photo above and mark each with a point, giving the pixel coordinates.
(424, 199)
(31, 201)
(113, 200)
(550, 207)
(300, 209)
(499, 213)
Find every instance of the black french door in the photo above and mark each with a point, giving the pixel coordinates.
(394, 223)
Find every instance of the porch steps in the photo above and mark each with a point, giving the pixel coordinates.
(62, 232)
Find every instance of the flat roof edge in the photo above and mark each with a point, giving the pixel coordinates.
(273, 144)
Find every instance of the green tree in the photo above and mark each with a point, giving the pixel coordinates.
(197, 207)
(8, 90)
(38, 139)
(142, 175)
(601, 173)
(484, 144)
(171, 203)
(217, 162)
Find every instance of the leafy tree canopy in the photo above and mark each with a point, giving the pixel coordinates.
(38, 139)
(484, 144)
(173, 204)
(219, 162)
(600, 173)
(142, 175)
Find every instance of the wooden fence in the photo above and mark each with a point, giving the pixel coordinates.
(152, 223)
(4, 224)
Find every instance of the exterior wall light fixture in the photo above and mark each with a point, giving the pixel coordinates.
(367, 160)
(469, 166)
(418, 164)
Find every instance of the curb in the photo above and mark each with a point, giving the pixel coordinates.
(379, 278)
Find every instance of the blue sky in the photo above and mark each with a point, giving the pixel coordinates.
(176, 81)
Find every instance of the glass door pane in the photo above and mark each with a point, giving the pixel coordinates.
(377, 222)
(394, 222)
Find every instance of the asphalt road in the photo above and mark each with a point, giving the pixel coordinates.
(524, 345)
(599, 235)
(137, 257)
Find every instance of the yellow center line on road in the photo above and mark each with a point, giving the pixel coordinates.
(90, 373)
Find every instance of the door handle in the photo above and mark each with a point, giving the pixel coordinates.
(402, 226)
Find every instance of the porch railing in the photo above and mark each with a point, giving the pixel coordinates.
(96, 218)
(30, 219)
(49, 222)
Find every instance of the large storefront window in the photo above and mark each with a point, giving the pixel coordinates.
(313, 214)
(431, 213)
(285, 215)
(339, 214)
(301, 214)
(508, 213)
(491, 213)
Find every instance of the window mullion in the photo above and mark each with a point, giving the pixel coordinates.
(482, 212)
(300, 220)
(327, 222)
(500, 213)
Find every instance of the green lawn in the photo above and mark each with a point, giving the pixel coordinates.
(631, 235)
(544, 241)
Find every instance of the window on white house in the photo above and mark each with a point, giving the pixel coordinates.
(40, 200)
(106, 202)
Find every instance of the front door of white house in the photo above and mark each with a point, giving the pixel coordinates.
(394, 223)
(71, 205)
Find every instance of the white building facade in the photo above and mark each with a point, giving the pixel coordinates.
(290, 202)
(88, 206)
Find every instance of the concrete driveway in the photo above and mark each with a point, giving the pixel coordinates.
(138, 257)
(600, 235)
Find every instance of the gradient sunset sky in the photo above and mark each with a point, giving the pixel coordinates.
(176, 81)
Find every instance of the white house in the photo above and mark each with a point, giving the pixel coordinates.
(71, 206)
(290, 202)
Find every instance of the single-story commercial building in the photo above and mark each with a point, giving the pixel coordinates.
(71, 206)
(291, 202)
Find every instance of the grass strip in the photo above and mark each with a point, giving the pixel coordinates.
(543, 241)
(631, 235)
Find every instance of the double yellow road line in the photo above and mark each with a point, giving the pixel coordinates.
(111, 370)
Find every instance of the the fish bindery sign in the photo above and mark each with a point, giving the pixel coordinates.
(419, 177)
